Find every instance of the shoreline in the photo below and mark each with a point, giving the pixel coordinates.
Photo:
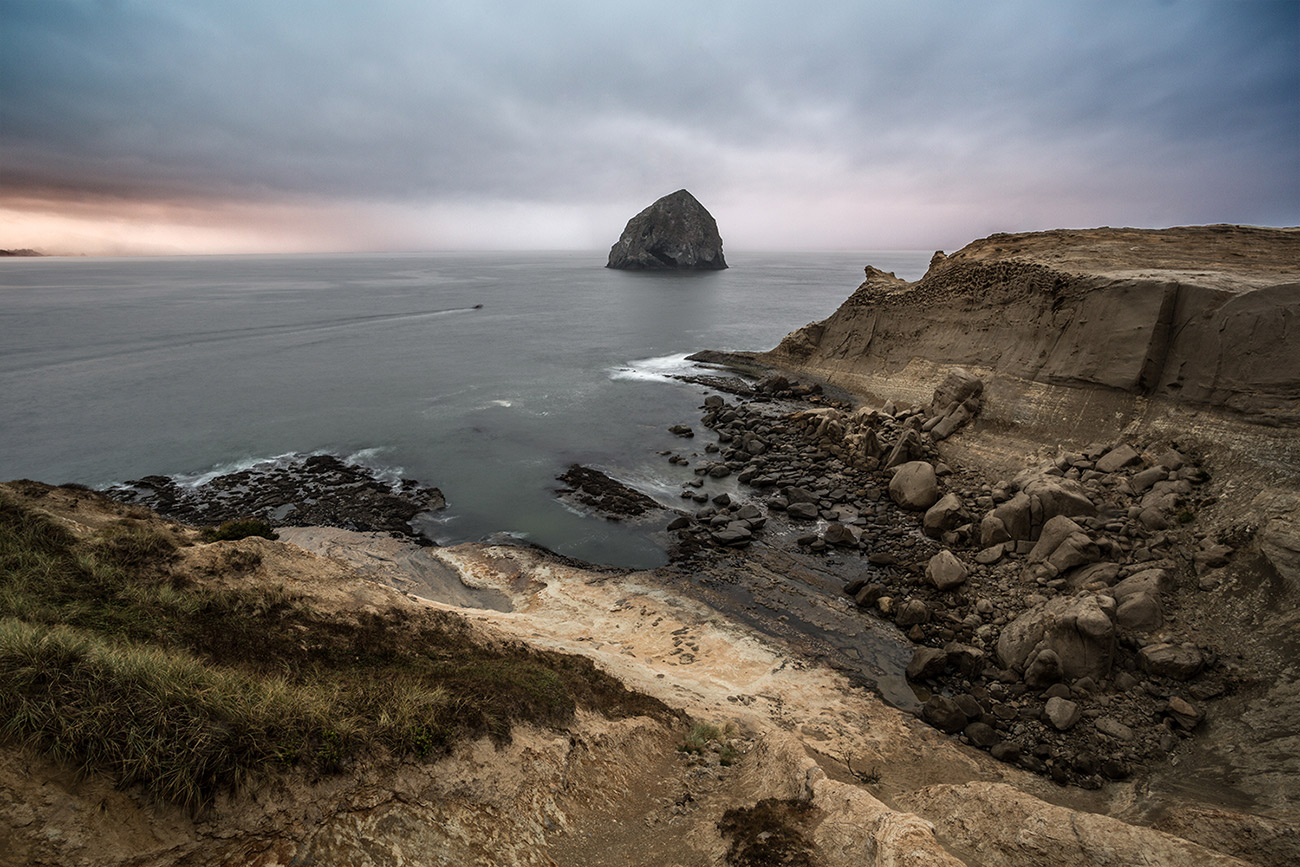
(915, 600)
(840, 577)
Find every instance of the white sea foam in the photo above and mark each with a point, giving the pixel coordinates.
(659, 369)
(198, 480)
(367, 459)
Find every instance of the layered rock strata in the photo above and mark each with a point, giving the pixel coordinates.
(1203, 315)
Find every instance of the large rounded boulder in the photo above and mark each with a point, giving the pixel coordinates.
(914, 486)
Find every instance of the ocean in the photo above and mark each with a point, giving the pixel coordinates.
(485, 374)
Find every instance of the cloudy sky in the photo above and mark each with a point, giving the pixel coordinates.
(287, 125)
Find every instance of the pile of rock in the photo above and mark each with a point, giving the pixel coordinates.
(795, 461)
(1040, 606)
(1055, 616)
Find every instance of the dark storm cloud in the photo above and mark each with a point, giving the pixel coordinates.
(1173, 110)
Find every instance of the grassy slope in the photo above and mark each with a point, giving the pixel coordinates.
(115, 662)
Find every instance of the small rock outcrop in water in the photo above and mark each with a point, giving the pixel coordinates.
(674, 233)
(302, 491)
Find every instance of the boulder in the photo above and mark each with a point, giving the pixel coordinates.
(1142, 482)
(947, 514)
(955, 402)
(1140, 612)
(914, 486)
(912, 613)
(1166, 495)
(1112, 727)
(908, 448)
(1050, 496)
(1007, 522)
(1154, 519)
(838, 534)
(944, 714)
(674, 233)
(1093, 573)
(1042, 498)
(1063, 545)
(982, 735)
(957, 387)
(945, 571)
(1062, 713)
(1044, 669)
(926, 662)
(734, 533)
(1149, 581)
(964, 658)
(868, 594)
(795, 494)
(1054, 532)
(803, 511)
(1123, 455)
(1184, 714)
(1081, 630)
(1174, 661)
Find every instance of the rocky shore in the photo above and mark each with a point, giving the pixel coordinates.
(299, 491)
(1071, 579)
(1043, 608)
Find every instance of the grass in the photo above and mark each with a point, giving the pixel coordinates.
(701, 736)
(113, 662)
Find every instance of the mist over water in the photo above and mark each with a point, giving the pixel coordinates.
(112, 369)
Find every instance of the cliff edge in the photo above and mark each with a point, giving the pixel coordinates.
(1204, 316)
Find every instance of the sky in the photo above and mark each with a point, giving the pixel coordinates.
(227, 126)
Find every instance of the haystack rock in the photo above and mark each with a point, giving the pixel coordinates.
(675, 233)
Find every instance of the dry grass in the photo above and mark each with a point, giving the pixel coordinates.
(113, 663)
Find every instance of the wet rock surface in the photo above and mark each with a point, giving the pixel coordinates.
(596, 490)
(303, 491)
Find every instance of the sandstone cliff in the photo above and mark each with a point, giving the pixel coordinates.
(676, 232)
(1204, 316)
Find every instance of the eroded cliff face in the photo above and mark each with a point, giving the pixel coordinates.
(1198, 316)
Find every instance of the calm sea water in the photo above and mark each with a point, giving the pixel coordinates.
(111, 369)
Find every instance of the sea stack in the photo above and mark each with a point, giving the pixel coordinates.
(675, 233)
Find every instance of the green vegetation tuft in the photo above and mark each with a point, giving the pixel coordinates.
(111, 663)
(241, 529)
(701, 736)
